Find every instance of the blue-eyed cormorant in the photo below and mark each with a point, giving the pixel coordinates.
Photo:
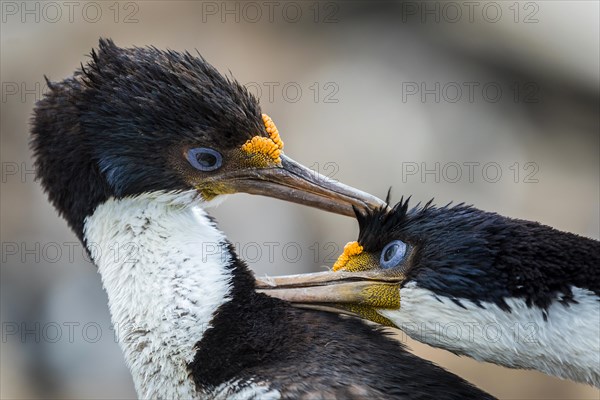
(508, 291)
(130, 150)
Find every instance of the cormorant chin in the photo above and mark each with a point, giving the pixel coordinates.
(214, 202)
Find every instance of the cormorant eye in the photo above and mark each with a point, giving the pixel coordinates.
(392, 254)
(204, 159)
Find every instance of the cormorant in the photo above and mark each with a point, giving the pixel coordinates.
(130, 150)
(507, 291)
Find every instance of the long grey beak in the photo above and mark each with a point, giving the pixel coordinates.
(334, 288)
(294, 182)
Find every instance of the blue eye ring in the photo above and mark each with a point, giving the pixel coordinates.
(205, 159)
(392, 254)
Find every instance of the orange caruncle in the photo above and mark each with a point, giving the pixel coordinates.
(350, 249)
(271, 146)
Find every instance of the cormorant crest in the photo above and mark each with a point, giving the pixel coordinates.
(380, 226)
(115, 127)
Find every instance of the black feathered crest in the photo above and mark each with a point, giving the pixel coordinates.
(110, 129)
(383, 224)
(164, 91)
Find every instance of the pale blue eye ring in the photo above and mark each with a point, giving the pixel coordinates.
(204, 159)
(392, 254)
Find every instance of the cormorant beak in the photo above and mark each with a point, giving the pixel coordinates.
(355, 292)
(294, 182)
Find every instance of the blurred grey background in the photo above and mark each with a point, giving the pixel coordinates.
(489, 103)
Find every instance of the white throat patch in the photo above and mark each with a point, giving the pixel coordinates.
(567, 345)
(162, 263)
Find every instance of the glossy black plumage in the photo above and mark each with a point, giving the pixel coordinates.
(311, 354)
(111, 129)
(464, 253)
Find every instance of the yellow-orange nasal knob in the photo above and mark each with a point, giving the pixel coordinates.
(272, 131)
(268, 146)
(351, 249)
(263, 145)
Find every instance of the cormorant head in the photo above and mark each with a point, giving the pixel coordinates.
(455, 252)
(141, 120)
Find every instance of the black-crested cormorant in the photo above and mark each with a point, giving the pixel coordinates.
(130, 151)
(507, 291)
